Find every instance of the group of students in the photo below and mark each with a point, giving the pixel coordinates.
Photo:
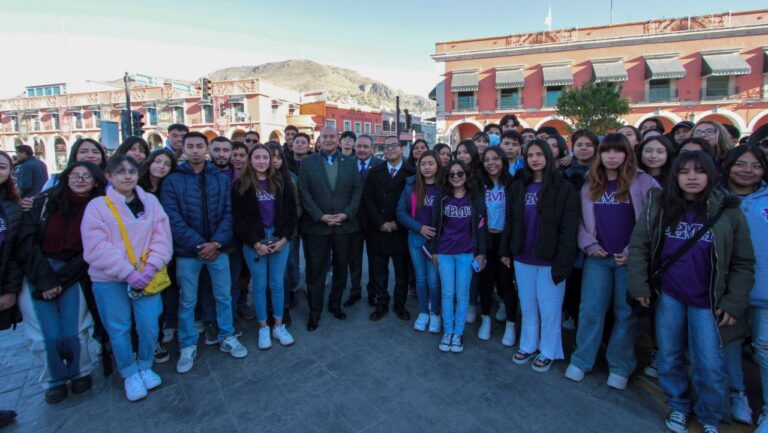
(583, 237)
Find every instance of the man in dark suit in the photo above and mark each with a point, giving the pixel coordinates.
(386, 239)
(365, 163)
(330, 189)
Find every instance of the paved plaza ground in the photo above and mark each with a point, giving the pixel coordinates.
(350, 376)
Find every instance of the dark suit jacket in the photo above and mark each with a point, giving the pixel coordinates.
(318, 198)
(380, 198)
(374, 161)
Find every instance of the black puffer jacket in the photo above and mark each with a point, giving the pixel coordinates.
(10, 269)
(558, 225)
(35, 263)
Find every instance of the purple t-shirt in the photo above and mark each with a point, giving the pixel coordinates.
(456, 236)
(424, 215)
(266, 205)
(614, 220)
(531, 227)
(687, 280)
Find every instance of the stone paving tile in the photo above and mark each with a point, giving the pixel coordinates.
(348, 376)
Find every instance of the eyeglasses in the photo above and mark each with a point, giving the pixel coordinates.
(708, 132)
(84, 177)
(390, 146)
(456, 174)
(123, 171)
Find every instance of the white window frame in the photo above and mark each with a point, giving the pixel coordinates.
(672, 92)
(358, 128)
(347, 125)
(175, 116)
(731, 89)
(330, 123)
(367, 127)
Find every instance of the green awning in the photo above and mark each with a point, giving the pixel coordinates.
(663, 69)
(719, 65)
(509, 79)
(557, 75)
(610, 72)
(464, 82)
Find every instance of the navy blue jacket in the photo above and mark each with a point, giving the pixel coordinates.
(189, 211)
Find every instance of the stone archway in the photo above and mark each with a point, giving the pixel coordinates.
(237, 134)
(210, 135)
(724, 117)
(61, 152)
(463, 129)
(564, 126)
(276, 135)
(667, 118)
(155, 140)
(759, 120)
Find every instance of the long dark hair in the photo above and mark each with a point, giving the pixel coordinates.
(411, 159)
(76, 148)
(734, 154)
(673, 201)
(420, 187)
(129, 142)
(469, 184)
(598, 177)
(8, 188)
(473, 153)
(504, 176)
(248, 177)
(59, 195)
(667, 146)
(550, 169)
(145, 182)
(276, 149)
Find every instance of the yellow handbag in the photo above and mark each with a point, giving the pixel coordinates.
(161, 280)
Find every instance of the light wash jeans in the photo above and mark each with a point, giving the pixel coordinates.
(188, 276)
(541, 303)
(427, 280)
(679, 328)
(267, 271)
(605, 286)
(115, 309)
(455, 276)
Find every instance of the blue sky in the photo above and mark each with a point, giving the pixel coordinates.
(75, 40)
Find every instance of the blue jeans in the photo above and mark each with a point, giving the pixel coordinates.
(115, 309)
(760, 343)
(455, 276)
(680, 327)
(541, 303)
(205, 291)
(605, 285)
(188, 276)
(266, 271)
(427, 284)
(61, 329)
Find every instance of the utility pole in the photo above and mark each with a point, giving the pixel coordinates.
(126, 80)
(397, 117)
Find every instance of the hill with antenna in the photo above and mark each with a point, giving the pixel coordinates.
(340, 84)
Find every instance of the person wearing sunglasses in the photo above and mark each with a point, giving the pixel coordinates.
(251, 138)
(56, 317)
(457, 249)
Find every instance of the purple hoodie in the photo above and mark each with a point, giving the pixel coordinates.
(638, 191)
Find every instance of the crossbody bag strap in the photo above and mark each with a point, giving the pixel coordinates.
(123, 233)
(688, 244)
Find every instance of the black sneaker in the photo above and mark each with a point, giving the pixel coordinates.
(246, 311)
(211, 334)
(81, 384)
(676, 422)
(56, 394)
(161, 355)
(6, 417)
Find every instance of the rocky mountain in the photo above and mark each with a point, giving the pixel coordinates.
(341, 84)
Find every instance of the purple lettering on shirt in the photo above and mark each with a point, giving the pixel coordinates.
(456, 236)
(614, 220)
(687, 280)
(266, 205)
(424, 215)
(531, 227)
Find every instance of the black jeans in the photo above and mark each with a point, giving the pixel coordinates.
(317, 249)
(379, 271)
(497, 275)
(356, 266)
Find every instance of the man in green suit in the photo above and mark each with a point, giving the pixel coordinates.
(330, 190)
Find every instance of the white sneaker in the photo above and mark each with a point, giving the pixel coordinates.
(265, 342)
(434, 324)
(472, 314)
(232, 346)
(151, 379)
(445, 343)
(484, 333)
(509, 334)
(574, 373)
(168, 334)
(281, 334)
(134, 387)
(501, 313)
(421, 322)
(187, 359)
(617, 382)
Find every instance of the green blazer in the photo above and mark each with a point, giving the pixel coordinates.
(318, 197)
